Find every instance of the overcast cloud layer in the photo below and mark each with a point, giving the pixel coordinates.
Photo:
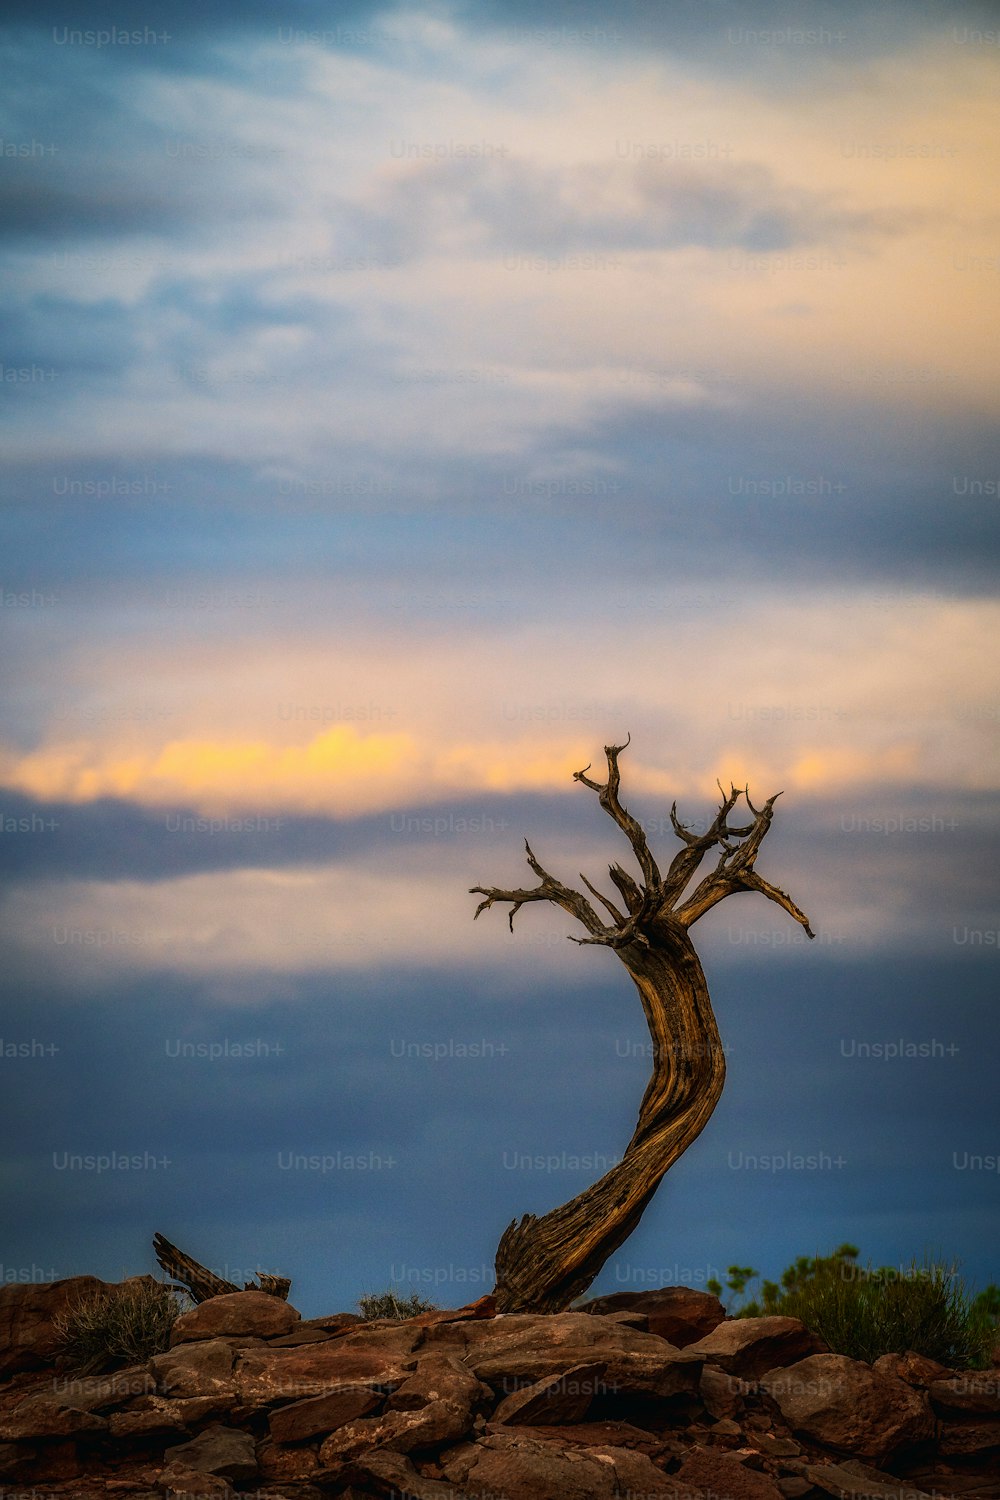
(399, 406)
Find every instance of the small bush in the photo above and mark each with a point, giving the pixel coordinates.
(388, 1305)
(115, 1325)
(865, 1312)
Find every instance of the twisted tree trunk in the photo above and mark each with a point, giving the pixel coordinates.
(542, 1264)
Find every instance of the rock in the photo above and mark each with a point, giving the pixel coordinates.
(440, 1377)
(101, 1392)
(915, 1369)
(253, 1314)
(280, 1465)
(969, 1391)
(333, 1322)
(153, 1421)
(959, 1439)
(321, 1414)
(218, 1450)
(525, 1468)
(845, 1405)
(858, 1482)
(27, 1316)
(563, 1398)
(202, 1369)
(720, 1475)
(774, 1447)
(300, 1336)
(723, 1395)
(41, 1417)
(392, 1476)
(177, 1482)
(267, 1375)
(15, 1458)
(599, 1435)
(752, 1346)
(526, 1347)
(678, 1314)
(430, 1426)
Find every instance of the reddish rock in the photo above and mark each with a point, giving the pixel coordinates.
(16, 1459)
(392, 1475)
(752, 1346)
(725, 1478)
(600, 1435)
(41, 1417)
(279, 1465)
(525, 1468)
(959, 1439)
(915, 1369)
(202, 1369)
(524, 1348)
(235, 1314)
(218, 1450)
(156, 1420)
(723, 1395)
(27, 1317)
(678, 1314)
(267, 1375)
(969, 1391)
(430, 1426)
(102, 1392)
(440, 1377)
(856, 1481)
(847, 1406)
(321, 1414)
(178, 1482)
(333, 1322)
(562, 1398)
(300, 1336)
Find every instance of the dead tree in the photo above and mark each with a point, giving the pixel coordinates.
(543, 1264)
(201, 1283)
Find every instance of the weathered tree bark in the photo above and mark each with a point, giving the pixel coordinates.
(203, 1283)
(542, 1264)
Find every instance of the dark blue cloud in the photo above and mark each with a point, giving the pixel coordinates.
(448, 1142)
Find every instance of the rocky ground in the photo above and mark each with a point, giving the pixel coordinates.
(638, 1396)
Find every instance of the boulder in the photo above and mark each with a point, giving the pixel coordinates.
(560, 1399)
(27, 1319)
(975, 1391)
(847, 1406)
(201, 1369)
(856, 1481)
(961, 1439)
(218, 1450)
(322, 1414)
(723, 1395)
(291, 1466)
(752, 1346)
(156, 1420)
(177, 1482)
(41, 1417)
(235, 1314)
(430, 1426)
(915, 1369)
(524, 1348)
(268, 1375)
(678, 1314)
(102, 1392)
(440, 1377)
(392, 1476)
(713, 1473)
(526, 1468)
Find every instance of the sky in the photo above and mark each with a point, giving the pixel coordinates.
(400, 404)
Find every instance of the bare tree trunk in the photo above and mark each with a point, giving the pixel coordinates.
(542, 1264)
(202, 1283)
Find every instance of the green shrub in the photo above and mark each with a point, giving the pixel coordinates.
(388, 1305)
(865, 1312)
(121, 1324)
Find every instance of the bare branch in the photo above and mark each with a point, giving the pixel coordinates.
(608, 794)
(548, 889)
